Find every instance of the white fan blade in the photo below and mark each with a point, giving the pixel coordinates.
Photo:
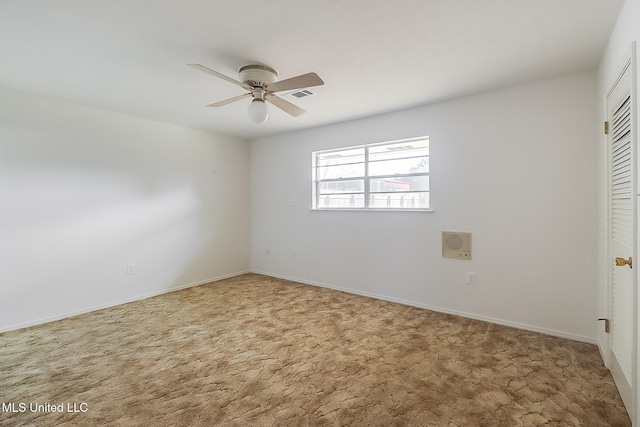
(229, 101)
(284, 105)
(304, 80)
(219, 75)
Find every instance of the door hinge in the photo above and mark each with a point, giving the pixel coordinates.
(606, 324)
(606, 128)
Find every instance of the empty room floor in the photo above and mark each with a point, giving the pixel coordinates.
(255, 350)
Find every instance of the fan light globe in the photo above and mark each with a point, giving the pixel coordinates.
(258, 111)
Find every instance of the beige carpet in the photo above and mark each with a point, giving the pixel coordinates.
(258, 351)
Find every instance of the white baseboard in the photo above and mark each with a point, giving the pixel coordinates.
(603, 353)
(503, 322)
(526, 327)
(116, 303)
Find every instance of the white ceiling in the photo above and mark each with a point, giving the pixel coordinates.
(375, 56)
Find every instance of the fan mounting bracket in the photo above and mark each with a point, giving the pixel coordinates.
(257, 75)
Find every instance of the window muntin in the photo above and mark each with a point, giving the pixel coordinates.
(392, 175)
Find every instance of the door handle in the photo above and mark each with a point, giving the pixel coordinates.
(621, 262)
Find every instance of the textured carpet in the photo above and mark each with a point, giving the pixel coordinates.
(258, 351)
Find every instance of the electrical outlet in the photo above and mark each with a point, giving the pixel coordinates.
(130, 269)
(471, 279)
(294, 202)
(268, 251)
(294, 255)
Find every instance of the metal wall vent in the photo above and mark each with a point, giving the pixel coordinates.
(302, 93)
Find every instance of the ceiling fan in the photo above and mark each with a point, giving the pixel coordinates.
(262, 83)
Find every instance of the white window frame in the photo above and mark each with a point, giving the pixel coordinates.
(366, 179)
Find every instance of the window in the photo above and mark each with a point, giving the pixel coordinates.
(391, 175)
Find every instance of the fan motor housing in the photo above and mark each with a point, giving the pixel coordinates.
(257, 75)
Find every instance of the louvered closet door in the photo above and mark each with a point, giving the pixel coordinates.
(621, 234)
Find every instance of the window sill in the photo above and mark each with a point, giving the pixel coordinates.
(371, 210)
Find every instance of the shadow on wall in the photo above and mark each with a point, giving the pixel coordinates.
(69, 234)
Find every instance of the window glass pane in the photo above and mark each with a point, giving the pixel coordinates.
(392, 175)
(346, 186)
(340, 171)
(341, 201)
(399, 166)
(332, 158)
(399, 150)
(407, 183)
(416, 200)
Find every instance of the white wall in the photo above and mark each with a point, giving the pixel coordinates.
(515, 167)
(85, 192)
